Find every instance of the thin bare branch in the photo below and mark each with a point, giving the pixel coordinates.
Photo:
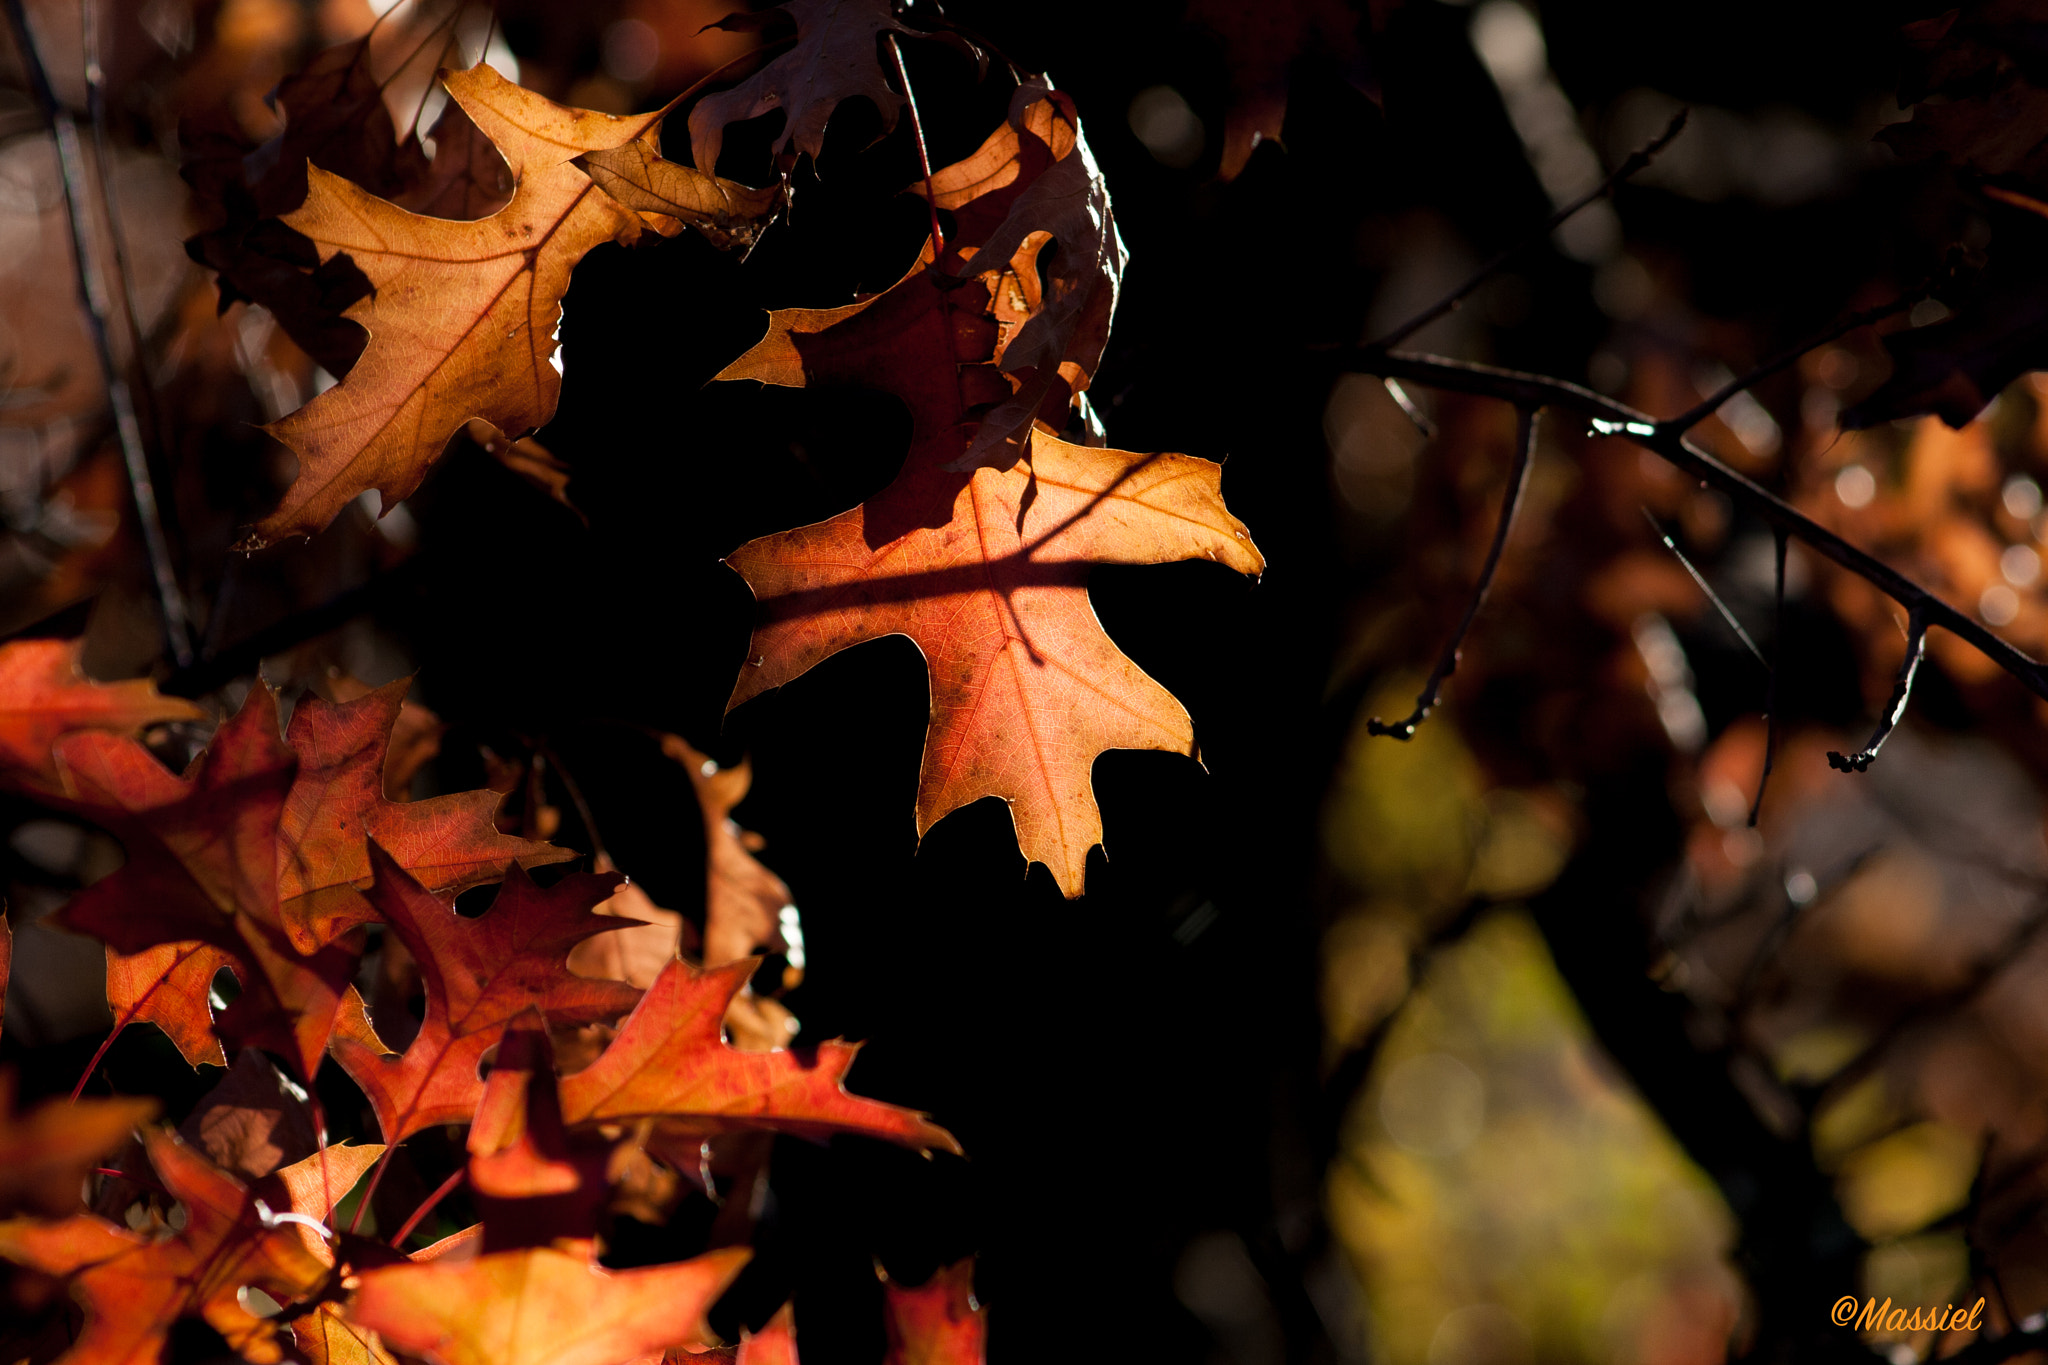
(1618, 419)
(71, 162)
(1700, 579)
(1895, 709)
(1771, 687)
(1711, 404)
(1447, 662)
(1635, 162)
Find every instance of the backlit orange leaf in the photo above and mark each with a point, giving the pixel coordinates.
(983, 564)
(134, 1288)
(672, 196)
(1032, 203)
(939, 1322)
(670, 1061)
(463, 315)
(479, 975)
(170, 986)
(44, 695)
(540, 1306)
(325, 1336)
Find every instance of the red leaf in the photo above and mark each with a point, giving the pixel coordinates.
(939, 1322)
(479, 974)
(670, 1061)
(257, 858)
(337, 804)
(170, 986)
(44, 695)
(133, 1288)
(203, 857)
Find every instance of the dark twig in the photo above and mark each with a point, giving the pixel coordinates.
(110, 211)
(1711, 404)
(1895, 709)
(92, 292)
(1636, 161)
(1447, 662)
(1618, 419)
(1771, 686)
(1727, 613)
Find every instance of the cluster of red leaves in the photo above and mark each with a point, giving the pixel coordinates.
(271, 857)
(278, 857)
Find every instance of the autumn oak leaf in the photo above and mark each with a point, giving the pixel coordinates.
(671, 1062)
(540, 1306)
(45, 695)
(983, 559)
(836, 57)
(479, 975)
(462, 315)
(134, 1288)
(337, 805)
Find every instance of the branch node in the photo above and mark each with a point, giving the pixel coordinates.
(1895, 709)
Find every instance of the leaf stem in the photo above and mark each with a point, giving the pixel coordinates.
(370, 1190)
(1447, 662)
(447, 1187)
(924, 159)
